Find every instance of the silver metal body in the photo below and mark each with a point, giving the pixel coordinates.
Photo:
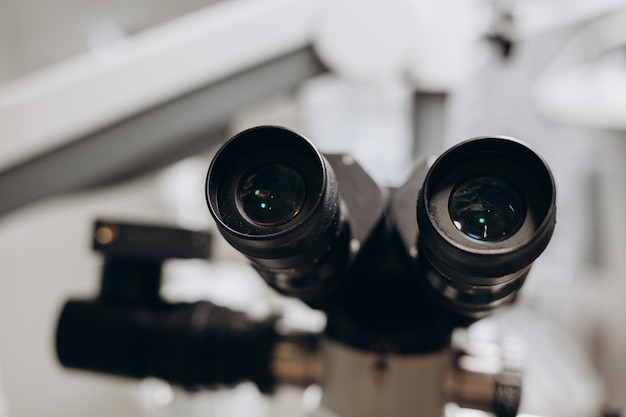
(363, 384)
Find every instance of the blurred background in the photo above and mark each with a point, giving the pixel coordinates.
(114, 109)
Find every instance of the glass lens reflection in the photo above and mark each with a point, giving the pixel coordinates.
(487, 208)
(271, 195)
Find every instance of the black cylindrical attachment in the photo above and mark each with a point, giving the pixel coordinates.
(485, 212)
(193, 345)
(275, 198)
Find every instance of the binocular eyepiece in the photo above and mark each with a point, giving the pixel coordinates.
(485, 211)
(275, 198)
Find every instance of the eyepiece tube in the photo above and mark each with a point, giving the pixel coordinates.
(485, 212)
(275, 198)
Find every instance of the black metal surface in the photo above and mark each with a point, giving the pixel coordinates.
(154, 138)
(381, 306)
(149, 241)
(508, 395)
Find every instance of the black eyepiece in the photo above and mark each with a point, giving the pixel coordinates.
(485, 212)
(275, 199)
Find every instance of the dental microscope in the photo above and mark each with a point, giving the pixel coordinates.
(398, 273)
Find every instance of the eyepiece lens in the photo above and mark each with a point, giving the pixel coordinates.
(271, 195)
(487, 208)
